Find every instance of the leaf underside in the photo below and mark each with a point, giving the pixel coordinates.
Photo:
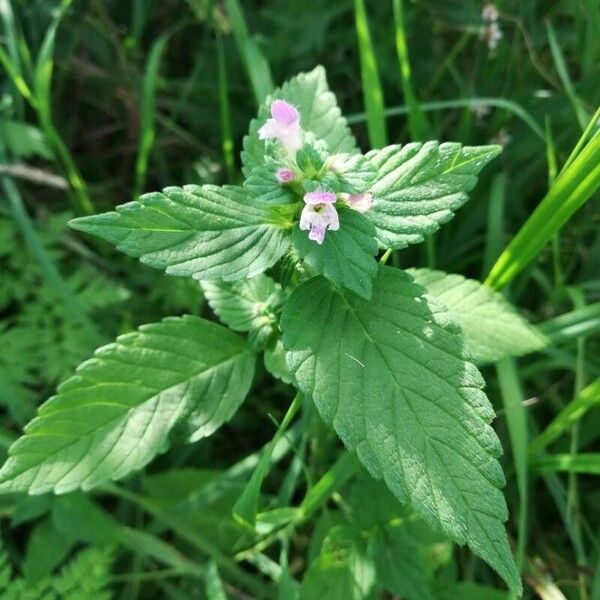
(207, 232)
(492, 327)
(115, 414)
(319, 114)
(390, 376)
(420, 185)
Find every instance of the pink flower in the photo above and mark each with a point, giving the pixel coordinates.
(360, 202)
(284, 125)
(319, 214)
(285, 175)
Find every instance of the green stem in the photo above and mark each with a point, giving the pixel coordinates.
(225, 563)
(343, 469)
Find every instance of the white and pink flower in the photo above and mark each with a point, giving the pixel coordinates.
(284, 125)
(359, 202)
(319, 215)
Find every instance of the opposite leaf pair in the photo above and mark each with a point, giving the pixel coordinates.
(384, 362)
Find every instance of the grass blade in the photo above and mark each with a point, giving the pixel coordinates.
(581, 321)
(43, 103)
(246, 507)
(417, 123)
(255, 63)
(225, 113)
(588, 398)
(570, 191)
(563, 73)
(516, 419)
(45, 262)
(503, 103)
(147, 112)
(587, 464)
(371, 84)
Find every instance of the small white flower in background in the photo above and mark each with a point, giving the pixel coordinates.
(284, 125)
(490, 12)
(319, 215)
(480, 110)
(490, 31)
(359, 202)
(502, 138)
(491, 34)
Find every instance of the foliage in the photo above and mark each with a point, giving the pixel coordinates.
(370, 328)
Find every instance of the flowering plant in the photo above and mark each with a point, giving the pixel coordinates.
(387, 356)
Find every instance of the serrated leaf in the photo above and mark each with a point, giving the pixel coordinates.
(262, 183)
(390, 375)
(400, 543)
(276, 364)
(115, 414)
(342, 571)
(492, 327)
(319, 114)
(207, 232)
(355, 172)
(346, 256)
(419, 186)
(250, 305)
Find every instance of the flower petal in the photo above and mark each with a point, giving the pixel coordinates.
(320, 197)
(284, 113)
(332, 217)
(269, 130)
(317, 234)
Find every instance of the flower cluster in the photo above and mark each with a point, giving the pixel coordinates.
(319, 213)
(490, 31)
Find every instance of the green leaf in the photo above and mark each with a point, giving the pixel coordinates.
(355, 172)
(263, 184)
(400, 543)
(310, 161)
(492, 327)
(115, 414)
(419, 186)
(390, 375)
(469, 590)
(276, 364)
(346, 256)
(319, 114)
(250, 305)
(342, 571)
(207, 232)
(38, 562)
(23, 140)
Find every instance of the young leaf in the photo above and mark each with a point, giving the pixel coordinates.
(251, 305)
(419, 187)
(319, 114)
(354, 171)
(492, 327)
(115, 414)
(276, 364)
(263, 184)
(390, 375)
(346, 256)
(342, 571)
(207, 232)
